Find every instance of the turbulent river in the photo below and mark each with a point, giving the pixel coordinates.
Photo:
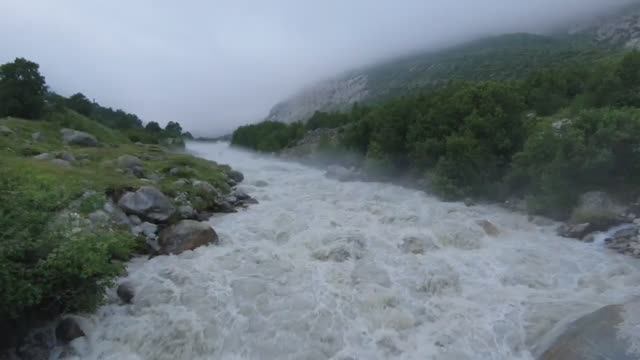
(318, 270)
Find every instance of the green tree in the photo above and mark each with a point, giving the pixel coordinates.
(153, 127)
(80, 104)
(173, 128)
(22, 89)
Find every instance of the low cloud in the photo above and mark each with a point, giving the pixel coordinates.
(214, 65)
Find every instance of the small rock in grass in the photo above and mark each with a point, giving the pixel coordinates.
(5, 131)
(43, 156)
(61, 163)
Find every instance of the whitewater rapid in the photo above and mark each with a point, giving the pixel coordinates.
(317, 270)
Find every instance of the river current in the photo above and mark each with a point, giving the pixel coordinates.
(322, 269)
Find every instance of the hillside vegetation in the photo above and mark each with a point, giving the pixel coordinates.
(62, 238)
(505, 57)
(556, 133)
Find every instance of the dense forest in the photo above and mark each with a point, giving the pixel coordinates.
(561, 131)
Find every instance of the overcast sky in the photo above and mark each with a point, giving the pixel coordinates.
(213, 65)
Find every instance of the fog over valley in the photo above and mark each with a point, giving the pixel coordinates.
(214, 65)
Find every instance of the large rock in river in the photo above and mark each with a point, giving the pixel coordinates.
(186, 235)
(341, 173)
(75, 137)
(67, 330)
(235, 176)
(610, 333)
(148, 203)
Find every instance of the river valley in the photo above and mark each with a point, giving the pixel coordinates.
(324, 269)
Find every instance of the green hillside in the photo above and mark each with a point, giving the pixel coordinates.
(504, 57)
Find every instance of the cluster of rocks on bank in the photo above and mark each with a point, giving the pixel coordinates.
(169, 222)
(598, 212)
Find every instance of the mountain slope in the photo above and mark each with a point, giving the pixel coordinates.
(511, 56)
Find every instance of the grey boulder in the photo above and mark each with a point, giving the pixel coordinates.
(5, 131)
(125, 292)
(148, 203)
(68, 330)
(186, 235)
(625, 241)
(80, 138)
(608, 333)
(235, 176)
(129, 161)
(61, 163)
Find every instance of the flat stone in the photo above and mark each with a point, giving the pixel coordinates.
(235, 176)
(134, 220)
(66, 156)
(148, 203)
(80, 138)
(125, 292)
(576, 231)
(129, 161)
(99, 218)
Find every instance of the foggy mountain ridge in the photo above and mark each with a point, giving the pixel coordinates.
(483, 59)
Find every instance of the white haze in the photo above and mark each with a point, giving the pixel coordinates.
(213, 65)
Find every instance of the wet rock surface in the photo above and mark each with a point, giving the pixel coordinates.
(610, 333)
(625, 241)
(68, 330)
(186, 235)
(125, 292)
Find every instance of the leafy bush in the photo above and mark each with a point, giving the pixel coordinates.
(22, 89)
(45, 268)
(568, 154)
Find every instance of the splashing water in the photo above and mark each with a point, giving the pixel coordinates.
(327, 270)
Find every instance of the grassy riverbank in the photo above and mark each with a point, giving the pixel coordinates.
(63, 237)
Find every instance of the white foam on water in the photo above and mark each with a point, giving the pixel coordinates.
(317, 271)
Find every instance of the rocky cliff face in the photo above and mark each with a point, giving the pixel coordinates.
(620, 29)
(335, 94)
